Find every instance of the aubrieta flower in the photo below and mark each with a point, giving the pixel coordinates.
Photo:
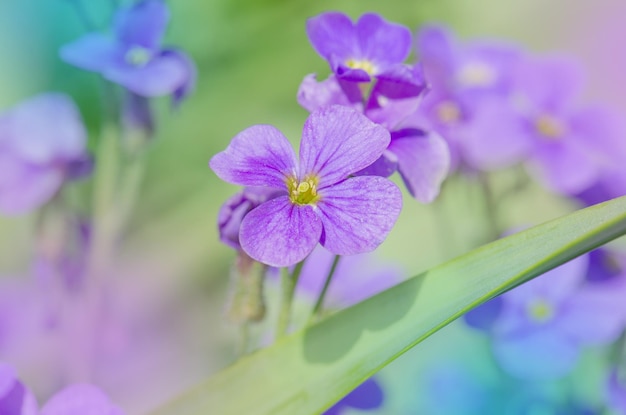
(42, 143)
(544, 324)
(319, 201)
(132, 55)
(367, 396)
(357, 52)
(422, 158)
(79, 399)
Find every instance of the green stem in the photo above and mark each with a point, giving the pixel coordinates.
(288, 286)
(320, 299)
(491, 210)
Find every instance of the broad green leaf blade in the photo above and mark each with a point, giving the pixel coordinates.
(309, 370)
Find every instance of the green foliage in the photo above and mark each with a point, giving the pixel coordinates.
(308, 371)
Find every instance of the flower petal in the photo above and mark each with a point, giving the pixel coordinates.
(80, 399)
(313, 95)
(258, 156)
(163, 75)
(142, 24)
(543, 354)
(332, 34)
(337, 142)
(279, 233)
(191, 74)
(358, 214)
(92, 52)
(423, 162)
(381, 42)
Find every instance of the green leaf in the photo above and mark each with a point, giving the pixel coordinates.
(311, 369)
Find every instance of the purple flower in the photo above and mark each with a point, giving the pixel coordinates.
(132, 55)
(42, 141)
(421, 158)
(544, 323)
(236, 208)
(470, 84)
(357, 52)
(319, 201)
(79, 399)
(368, 395)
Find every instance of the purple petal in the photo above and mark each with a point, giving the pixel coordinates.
(385, 166)
(333, 35)
(189, 84)
(162, 75)
(279, 233)
(15, 398)
(596, 314)
(423, 162)
(80, 399)
(484, 316)
(92, 52)
(143, 24)
(337, 142)
(45, 129)
(549, 83)
(381, 42)
(368, 395)
(257, 156)
(564, 168)
(494, 136)
(543, 354)
(25, 187)
(137, 114)
(313, 95)
(358, 214)
(437, 50)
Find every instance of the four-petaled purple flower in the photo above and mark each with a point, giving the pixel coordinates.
(42, 143)
(133, 56)
(319, 201)
(79, 399)
(357, 52)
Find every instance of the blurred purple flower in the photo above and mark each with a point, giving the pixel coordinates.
(319, 201)
(544, 323)
(421, 158)
(133, 56)
(42, 143)
(368, 395)
(468, 97)
(357, 52)
(79, 399)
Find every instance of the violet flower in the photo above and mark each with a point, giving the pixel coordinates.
(79, 399)
(544, 324)
(42, 143)
(132, 55)
(422, 158)
(319, 201)
(368, 395)
(357, 52)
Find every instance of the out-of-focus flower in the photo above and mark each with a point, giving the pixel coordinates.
(544, 323)
(469, 84)
(79, 399)
(132, 55)
(368, 395)
(357, 52)
(320, 202)
(42, 143)
(421, 158)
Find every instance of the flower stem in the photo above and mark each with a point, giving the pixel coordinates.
(288, 285)
(317, 308)
(491, 210)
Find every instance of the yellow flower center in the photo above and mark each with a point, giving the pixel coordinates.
(138, 56)
(549, 127)
(476, 74)
(540, 310)
(362, 64)
(448, 112)
(304, 192)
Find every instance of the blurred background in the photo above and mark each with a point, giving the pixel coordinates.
(172, 273)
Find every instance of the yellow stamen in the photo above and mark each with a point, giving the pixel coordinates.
(476, 74)
(304, 192)
(137, 56)
(540, 310)
(549, 127)
(448, 112)
(362, 64)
